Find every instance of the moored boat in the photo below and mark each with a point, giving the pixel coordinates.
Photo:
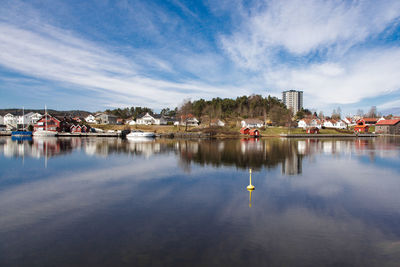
(140, 134)
(44, 133)
(21, 133)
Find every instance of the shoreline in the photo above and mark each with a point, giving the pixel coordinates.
(201, 135)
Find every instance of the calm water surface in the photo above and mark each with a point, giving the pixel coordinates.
(112, 202)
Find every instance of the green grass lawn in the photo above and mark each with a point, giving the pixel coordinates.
(271, 131)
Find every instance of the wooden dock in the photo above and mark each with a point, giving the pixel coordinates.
(5, 133)
(8, 133)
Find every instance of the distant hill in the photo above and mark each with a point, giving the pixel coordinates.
(73, 113)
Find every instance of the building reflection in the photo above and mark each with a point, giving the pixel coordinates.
(244, 153)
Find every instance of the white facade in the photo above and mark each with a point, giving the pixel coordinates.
(29, 118)
(190, 122)
(252, 123)
(340, 125)
(302, 124)
(1, 119)
(90, 119)
(131, 122)
(217, 123)
(309, 123)
(10, 119)
(328, 124)
(148, 119)
(35, 117)
(293, 100)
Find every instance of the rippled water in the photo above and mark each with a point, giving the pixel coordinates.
(112, 202)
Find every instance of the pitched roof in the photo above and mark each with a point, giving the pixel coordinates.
(388, 122)
(371, 119)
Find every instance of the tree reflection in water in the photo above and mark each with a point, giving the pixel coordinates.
(243, 154)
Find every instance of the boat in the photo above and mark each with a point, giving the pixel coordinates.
(45, 132)
(23, 132)
(140, 134)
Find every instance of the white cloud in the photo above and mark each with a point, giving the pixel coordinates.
(311, 46)
(389, 105)
(301, 27)
(50, 53)
(364, 74)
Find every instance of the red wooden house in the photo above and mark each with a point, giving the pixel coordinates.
(75, 129)
(245, 130)
(47, 122)
(312, 130)
(78, 129)
(254, 133)
(361, 127)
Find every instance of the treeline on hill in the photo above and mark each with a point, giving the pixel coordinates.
(73, 113)
(135, 112)
(254, 106)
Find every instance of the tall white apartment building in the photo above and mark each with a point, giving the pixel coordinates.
(293, 100)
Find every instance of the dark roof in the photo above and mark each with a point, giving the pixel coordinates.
(157, 116)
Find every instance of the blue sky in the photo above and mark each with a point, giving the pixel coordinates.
(102, 54)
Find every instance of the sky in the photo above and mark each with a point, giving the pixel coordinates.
(93, 55)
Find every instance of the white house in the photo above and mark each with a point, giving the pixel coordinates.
(148, 119)
(329, 123)
(191, 121)
(131, 122)
(35, 117)
(348, 121)
(10, 119)
(1, 119)
(309, 123)
(90, 119)
(29, 118)
(302, 123)
(340, 124)
(252, 123)
(217, 122)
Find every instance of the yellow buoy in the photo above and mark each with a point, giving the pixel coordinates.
(250, 186)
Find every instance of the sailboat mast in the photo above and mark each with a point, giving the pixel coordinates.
(45, 116)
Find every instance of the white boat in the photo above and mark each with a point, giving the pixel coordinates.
(139, 134)
(44, 133)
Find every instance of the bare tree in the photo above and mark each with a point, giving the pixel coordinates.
(184, 111)
(372, 113)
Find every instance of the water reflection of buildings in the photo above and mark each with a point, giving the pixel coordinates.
(246, 153)
(292, 164)
(29, 148)
(50, 147)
